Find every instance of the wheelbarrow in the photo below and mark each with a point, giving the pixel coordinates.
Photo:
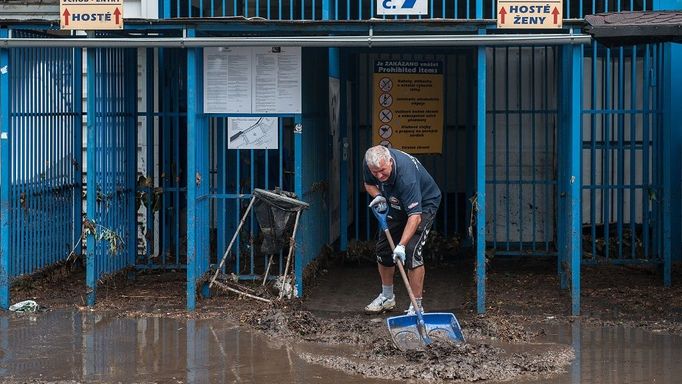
(418, 330)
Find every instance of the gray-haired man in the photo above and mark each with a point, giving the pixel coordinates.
(398, 182)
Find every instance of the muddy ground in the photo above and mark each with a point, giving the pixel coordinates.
(523, 295)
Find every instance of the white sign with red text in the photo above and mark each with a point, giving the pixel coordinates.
(91, 14)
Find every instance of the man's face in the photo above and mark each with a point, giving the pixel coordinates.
(383, 171)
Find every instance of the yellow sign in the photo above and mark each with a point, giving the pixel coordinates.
(408, 105)
(91, 14)
(529, 14)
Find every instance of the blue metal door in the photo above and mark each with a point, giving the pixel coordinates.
(42, 163)
(111, 163)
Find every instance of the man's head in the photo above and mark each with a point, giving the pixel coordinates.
(379, 162)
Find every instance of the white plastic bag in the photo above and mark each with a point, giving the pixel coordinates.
(24, 306)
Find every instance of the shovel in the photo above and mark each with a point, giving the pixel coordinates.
(413, 331)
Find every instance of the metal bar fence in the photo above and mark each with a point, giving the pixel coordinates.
(235, 173)
(111, 172)
(451, 168)
(621, 136)
(45, 156)
(365, 10)
(521, 181)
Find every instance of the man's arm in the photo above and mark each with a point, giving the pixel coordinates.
(372, 190)
(413, 222)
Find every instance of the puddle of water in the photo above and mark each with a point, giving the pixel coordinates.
(617, 355)
(62, 345)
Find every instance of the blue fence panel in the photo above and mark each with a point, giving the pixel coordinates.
(521, 159)
(45, 156)
(453, 169)
(309, 9)
(621, 153)
(366, 9)
(235, 173)
(111, 167)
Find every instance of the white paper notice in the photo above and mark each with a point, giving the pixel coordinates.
(239, 81)
(215, 80)
(252, 80)
(265, 92)
(252, 133)
(289, 79)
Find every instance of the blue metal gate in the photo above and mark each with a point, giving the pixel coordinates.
(453, 169)
(111, 163)
(622, 155)
(41, 165)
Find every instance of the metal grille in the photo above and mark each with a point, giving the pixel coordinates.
(45, 156)
(521, 162)
(622, 159)
(111, 164)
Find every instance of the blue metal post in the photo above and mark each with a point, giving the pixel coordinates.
(480, 180)
(151, 161)
(575, 175)
(669, 169)
(298, 189)
(191, 172)
(90, 273)
(672, 188)
(4, 173)
(563, 169)
(345, 151)
(77, 102)
(335, 73)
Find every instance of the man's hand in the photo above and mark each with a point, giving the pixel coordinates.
(380, 203)
(399, 254)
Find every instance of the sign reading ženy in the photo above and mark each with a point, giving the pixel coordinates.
(91, 14)
(533, 14)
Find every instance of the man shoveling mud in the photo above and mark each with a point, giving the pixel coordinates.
(399, 183)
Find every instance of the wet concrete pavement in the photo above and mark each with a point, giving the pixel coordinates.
(91, 347)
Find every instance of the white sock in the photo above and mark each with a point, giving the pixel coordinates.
(387, 291)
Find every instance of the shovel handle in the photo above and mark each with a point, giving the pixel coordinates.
(381, 217)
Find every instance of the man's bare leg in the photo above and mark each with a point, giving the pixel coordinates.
(416, 277)
(386, 274)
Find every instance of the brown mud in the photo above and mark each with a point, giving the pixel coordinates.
(504, 344)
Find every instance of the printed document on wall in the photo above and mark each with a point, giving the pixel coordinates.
(252, 133)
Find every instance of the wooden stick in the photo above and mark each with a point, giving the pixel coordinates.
(292, 243)
(229, 247)
(267, 270)
(223, 286)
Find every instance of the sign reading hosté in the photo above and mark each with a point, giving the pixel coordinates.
(529, 14)
(91, 14)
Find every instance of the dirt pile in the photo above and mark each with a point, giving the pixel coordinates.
(371, 352)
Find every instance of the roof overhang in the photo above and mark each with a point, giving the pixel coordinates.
(631, 28)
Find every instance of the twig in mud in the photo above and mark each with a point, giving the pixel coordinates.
(223, 286)
(239, 287)
(146, 297)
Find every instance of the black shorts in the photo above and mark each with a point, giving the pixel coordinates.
(413, 249)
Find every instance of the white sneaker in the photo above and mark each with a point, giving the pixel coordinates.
(410, 310)
(380, 304)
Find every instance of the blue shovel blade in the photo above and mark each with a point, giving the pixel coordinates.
(440, 326)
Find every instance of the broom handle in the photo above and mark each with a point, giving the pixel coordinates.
(399, 263)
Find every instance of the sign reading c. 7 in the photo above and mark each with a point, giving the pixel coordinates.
(402, 7)
(531, 14)
(91, 14)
